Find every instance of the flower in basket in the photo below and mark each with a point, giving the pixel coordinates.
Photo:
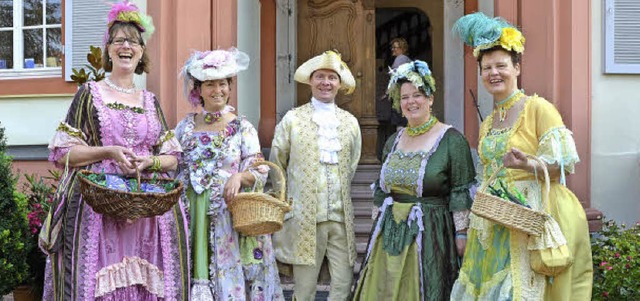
(616, 270)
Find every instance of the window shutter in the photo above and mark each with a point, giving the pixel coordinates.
(622, 36)
(85, 25)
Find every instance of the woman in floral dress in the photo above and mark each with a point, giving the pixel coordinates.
(219, 148)
(113, 127)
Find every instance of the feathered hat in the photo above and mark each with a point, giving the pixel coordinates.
(417, 72)
(328, 60)
(481, 32)
(211, 65)
(128, 12)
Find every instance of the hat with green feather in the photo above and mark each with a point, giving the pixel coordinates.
(481, 32)
(417, 73)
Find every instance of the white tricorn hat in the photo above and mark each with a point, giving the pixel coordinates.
(330, 60)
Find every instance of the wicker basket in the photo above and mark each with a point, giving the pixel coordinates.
(127, 205)
(257, 213)
(509, 214)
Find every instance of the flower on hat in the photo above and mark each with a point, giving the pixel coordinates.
(128, 12)
(416, 72)
(481, 32)
(211, 65)
(217, 59)
(512, 39)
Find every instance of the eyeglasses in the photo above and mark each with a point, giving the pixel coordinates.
(120, 41)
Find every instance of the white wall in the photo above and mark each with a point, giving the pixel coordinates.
(453, 67)
(615, 140)
(249, 42)
(32, 120)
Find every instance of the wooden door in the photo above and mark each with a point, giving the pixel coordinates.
(347, 26)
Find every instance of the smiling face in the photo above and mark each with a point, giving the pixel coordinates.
(499, 73)
(396, 50)
(215, 94)
(415, 105)
(324, 84)
(125, 50)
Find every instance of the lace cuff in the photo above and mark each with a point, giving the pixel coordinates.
(131, 271)
(461, 219)
(558, 147)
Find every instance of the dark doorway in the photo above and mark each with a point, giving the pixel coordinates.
(414, 26)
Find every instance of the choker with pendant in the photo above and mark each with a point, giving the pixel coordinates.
(211, 117)
(504, 105)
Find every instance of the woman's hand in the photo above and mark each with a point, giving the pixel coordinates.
(124, 157)
(515, 158)
(144, 163)
(232, 187)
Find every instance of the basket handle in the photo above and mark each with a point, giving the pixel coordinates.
(545, 198)
(280, 175)
(547, 182)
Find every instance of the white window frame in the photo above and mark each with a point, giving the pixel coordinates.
(610, 65)
(18, 71)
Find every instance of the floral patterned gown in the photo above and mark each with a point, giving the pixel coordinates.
(226, 264)
(496, 262)
(94, 256)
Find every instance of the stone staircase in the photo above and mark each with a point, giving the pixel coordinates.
(361, 196)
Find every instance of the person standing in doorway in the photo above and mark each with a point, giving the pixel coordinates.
(318, 146)
(390, 120)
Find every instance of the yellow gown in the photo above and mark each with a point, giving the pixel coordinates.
(496, 261)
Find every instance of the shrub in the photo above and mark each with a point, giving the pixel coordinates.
(616, 255)
(13, 226)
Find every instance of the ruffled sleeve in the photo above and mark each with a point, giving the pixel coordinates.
(167, 143)
(76, 128)
(555, 143)
(250, 152)
(462, 172)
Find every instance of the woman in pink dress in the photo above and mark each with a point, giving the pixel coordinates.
(114, 127)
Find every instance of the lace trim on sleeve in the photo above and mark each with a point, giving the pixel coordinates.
(65, 137)
(461, 219)
(169, 144)
(557, 146)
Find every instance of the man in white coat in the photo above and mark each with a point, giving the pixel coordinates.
(318, 146)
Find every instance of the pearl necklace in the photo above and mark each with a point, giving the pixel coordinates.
(113, 86)
(423, 128)
(504, 105)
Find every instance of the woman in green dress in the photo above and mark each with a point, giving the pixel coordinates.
(423, 196)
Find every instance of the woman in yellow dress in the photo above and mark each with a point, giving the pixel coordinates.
(496, 263)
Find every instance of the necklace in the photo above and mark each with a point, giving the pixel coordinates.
(423, 128)
(111, 85)
(211, 117)
(504, 105)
